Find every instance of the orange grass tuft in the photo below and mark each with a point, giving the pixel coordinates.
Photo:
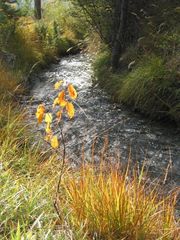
(111, 205)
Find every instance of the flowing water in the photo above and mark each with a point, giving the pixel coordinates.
(98, 120)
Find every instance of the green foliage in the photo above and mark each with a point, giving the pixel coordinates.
(7, 23)
(101, 65)
(64, 16)
(7, 12)
(25, 7)
(97, 14)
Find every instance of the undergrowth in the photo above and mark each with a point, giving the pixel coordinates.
(148, 74)
(152, 87)
(31, 41)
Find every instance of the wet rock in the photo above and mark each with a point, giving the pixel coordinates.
(151, 136)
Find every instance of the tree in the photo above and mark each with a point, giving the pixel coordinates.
(37, 9)
(109, 19)
(121, 11)
(99, 15)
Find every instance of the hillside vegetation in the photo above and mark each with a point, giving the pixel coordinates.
(148, 77)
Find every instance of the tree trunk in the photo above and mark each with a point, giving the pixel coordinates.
(37, 9)
(118, 46)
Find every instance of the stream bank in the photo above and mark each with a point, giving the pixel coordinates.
(97, 118)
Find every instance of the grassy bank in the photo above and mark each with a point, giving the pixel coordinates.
(27, 175)
(148, 76)
(150, 87)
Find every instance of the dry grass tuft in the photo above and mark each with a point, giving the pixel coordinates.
(111, 205)
(8, 80)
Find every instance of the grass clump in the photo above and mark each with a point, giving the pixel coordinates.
(110, 205)
(25, 192)
(26, 179)
(151, 86)
(9, 81)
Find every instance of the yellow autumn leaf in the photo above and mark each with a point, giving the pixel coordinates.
(72, 91)
(56, 102)
(47, 138)
(70, 110)
(48, 118)
(41, 108)
(48, 129)
(54, 142)
(62, 100)
(59, 115)
(63, 103)
(40, 113)
(39, 117)
(58, 84)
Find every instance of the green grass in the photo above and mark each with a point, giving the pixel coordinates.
(24, 191)
(41, 41)
(30, 46)
(28, 175)
(150, 87)
(28, 179)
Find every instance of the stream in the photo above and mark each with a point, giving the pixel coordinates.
(112, 129)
